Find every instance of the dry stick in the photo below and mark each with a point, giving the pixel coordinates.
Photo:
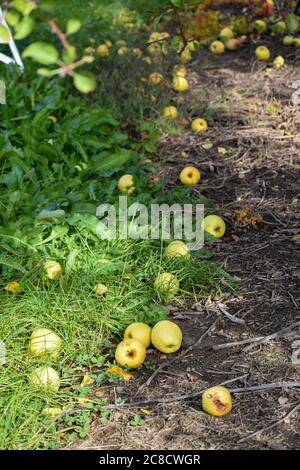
(256, 341)
(254, 388)
(271, 426)
(216, 347)
(277, 334)
(230, 317)
(177, 358)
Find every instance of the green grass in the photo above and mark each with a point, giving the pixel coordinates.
(89, 326)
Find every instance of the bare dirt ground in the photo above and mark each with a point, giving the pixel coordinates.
(251, 115)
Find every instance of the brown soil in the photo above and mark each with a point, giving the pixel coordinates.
(261, 170)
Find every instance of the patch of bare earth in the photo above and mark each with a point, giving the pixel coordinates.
(251, 115)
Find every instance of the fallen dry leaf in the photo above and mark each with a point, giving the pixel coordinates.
(116, 370)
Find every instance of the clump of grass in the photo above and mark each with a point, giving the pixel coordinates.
(88, 325)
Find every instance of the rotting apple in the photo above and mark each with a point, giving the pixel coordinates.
(217, 401)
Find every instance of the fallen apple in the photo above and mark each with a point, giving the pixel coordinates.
(126, 183)
(226, 33)
(180, 84)
(45, 377)
(180, 71)
(260, 26)
(199, 125)
(156, 78)
(288, 40)
(217, 47)
(103, 50)
(166, 336)
(53, 269)
(170, 112)
(217, 401)
(139, 332)
(214, 225)
(100, 289)
(262, 53)
(130, 353)
(278, 62)
(190, 176)
(44, 342)
(167, 285)
(177, 249)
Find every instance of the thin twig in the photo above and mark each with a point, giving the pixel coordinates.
(277, 334)
(271, 426)
(230, 317)
(177, 358)
(61, 36)
(256, 341)
(216, 347)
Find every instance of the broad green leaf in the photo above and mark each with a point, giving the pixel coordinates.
(73, 26)
(24, 28)
(7, 261)
(84, 82)
(109, 162)
(292, 22)
(23, 6)
(43, 72)
(4, 34)
(42, 53)
(12, 18)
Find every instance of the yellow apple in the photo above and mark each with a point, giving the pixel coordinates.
(167, 285)
(190, 176)
(260, 26)
(170, 112)
(130, 353)
(217, 401)
(44, 342)
(137, 52)
(45, 377)
(262, 53)
(108, 43)
(154, 49)
(280, 27)
(156, 78)
(297, 42)
(214, 225)
(122, 51)
(193, 45)
(140, 332)
(100, 289)
(185, 55)
(180, 71)
(199, 125)
(278, 62)
(226, 33)
(121, 42)
(177, 249)
(103, 50)
(166, 336)
(288, 40)
(126, 183)
(217, 47)
(53, 269)
(180, 84)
